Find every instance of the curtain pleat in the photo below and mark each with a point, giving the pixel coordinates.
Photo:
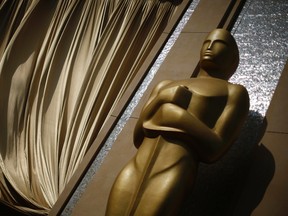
(64, 66)
(11, 13)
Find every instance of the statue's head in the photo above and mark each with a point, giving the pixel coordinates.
(219, 55)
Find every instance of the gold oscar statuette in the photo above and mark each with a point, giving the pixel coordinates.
(183, 123)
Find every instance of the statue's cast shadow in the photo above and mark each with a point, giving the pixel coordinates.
(221, 189)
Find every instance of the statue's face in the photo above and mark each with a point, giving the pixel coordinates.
(213, 49)
(218, 54)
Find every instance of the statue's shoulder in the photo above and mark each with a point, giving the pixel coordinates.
(239, 93)
(237, 89)
(163, 83)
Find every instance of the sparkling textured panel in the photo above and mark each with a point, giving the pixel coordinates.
(261, 34)
(126, 115)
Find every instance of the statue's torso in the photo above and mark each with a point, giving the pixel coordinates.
(208, 100)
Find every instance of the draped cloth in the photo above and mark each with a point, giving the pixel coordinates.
(64, 66)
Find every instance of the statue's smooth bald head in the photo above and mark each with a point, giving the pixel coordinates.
(219, 55)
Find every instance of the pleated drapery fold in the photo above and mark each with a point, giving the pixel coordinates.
(64, 66)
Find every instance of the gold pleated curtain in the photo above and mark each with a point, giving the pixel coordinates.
(64, 65)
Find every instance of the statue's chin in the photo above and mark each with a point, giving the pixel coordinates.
(208, 64)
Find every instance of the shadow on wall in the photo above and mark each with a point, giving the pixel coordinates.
(221, 189)
(258, 179)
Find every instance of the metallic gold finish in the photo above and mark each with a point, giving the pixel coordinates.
(182, 123)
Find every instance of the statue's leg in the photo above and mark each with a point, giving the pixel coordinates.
(155, 181)
(170, 181)
(123, 191)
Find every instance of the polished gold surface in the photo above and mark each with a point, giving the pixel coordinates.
(182, 123)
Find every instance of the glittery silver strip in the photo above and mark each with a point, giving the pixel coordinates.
(261, 34)
(127, 113)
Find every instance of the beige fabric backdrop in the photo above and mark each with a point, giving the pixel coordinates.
(64, 65)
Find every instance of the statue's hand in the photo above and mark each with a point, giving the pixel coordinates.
(178, 95)
(182, 96)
